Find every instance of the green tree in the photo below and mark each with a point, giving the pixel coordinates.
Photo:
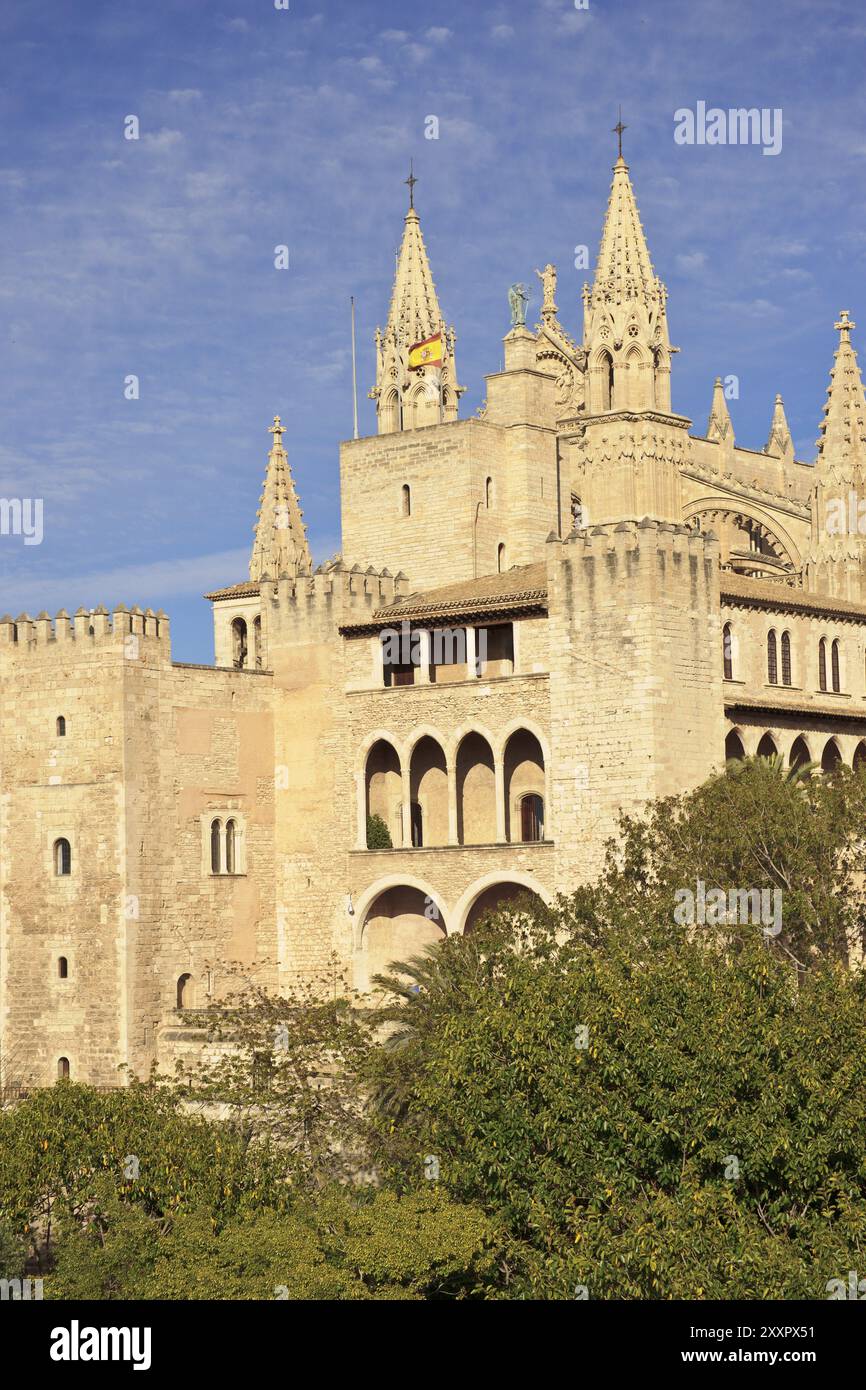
(639, 1104)
(378, 834)
(64, 1147)
(343, 1246)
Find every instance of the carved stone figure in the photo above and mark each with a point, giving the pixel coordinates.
(518, 300)
(547, 276)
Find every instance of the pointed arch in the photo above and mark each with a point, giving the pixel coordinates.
(389, 411)
(767, 747)
(734, 746)
(831, 757)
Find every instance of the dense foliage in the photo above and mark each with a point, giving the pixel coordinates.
(593, 1100)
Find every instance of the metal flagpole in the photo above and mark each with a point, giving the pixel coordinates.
(354, 372)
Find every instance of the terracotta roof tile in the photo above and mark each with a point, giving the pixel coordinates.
(521, 588)
(248, 589)
(768, 594)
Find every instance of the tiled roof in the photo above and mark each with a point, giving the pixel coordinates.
(767, 594)
(520, 589)
(803, 709)
(248, 589)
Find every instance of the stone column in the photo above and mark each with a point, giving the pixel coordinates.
(453, 837)
(406, 798)
(499, 782)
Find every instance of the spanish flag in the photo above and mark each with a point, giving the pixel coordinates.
(426, 354)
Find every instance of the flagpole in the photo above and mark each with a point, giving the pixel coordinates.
(354, 372)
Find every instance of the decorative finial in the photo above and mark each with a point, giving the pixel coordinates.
(618, 130)
(277, 430)
(411, 182)
(844, 326)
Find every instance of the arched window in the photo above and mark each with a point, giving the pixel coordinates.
(822, 665)
(257, 642)
(772, 663)
(604, 372)
(406, 500)
(734, 749)
(727, 652)
(239, 644)
(786, 658)
(531, 818)
(390, 412)
(61, 726)
(184, 992)
(62, 858)
(767, 747)
(417, 825)
(62, 1068)
(831, 758)
(215, 858)
(834, 666)
(231, 846)
(488, 492)
(799, 755)
(62, 967)
(500, 557)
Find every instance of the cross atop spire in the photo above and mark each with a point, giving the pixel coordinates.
(618, 130)
(844, 326)
(411, 181)
(277, 430)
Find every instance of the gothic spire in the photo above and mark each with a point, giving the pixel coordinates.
(414, 314)
(624, 311)
(836, 563)
(280, 546)
(842, 443)
(720, 426)
(780, 444)
(624, 271)
(406, 399)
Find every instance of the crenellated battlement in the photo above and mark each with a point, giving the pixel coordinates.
(86, 629)
(330, 597)
(613, 553)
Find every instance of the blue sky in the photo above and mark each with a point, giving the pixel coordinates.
(261, 127)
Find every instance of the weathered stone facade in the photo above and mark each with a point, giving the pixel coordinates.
(541, 616)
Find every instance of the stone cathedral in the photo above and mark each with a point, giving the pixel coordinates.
(560, 607)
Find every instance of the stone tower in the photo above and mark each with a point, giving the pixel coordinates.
(629, 447)
(408, 398)
(837, 556)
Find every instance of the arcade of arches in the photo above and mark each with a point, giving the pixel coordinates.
(474, 794)
(798, 749)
